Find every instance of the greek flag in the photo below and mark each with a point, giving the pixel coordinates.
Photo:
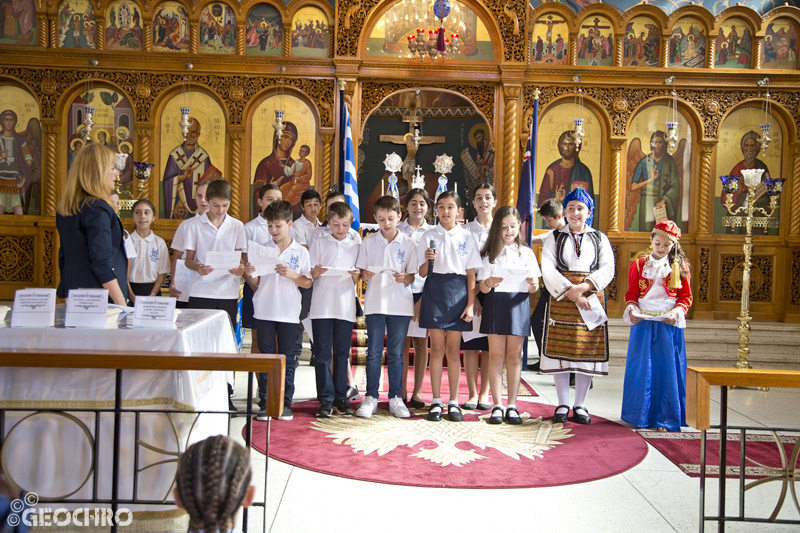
(527, 181)
(348, 165)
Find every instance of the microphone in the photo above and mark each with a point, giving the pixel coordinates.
(432, 246)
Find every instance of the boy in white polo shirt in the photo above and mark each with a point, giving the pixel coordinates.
(325, 229)
(179, 240)
(215, 230)
(277, 301)
(333, 309)
(389, 303)
(257, 231)
(304, 226)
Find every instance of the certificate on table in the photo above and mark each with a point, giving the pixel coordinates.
(263, 258)
(34, 308)
(514, 280)
(222, 262)
(154, 312)
(86, 308)
(595, 315)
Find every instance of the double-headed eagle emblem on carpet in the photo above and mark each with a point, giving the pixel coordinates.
(383, 433)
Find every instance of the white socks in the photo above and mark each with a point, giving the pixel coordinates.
(582, 384)
(562, 387)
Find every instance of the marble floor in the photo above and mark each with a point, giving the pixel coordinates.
(654, 496)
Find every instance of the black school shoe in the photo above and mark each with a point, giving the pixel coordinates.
(581, 418)
(341, 407)
(454, 413)
(496, 417)
(325, 410)
(434, 413)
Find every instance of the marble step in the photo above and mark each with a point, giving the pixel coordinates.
(714, 343)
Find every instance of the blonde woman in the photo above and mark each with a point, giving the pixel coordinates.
(92, 252)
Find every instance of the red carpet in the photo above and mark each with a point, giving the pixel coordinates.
(683, 449)
(469, 454)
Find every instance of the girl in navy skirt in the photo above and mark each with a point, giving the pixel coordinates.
(447, 302)
(508, 275)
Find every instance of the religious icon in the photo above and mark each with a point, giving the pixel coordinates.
(264, 34)
(779, 48)
(478, 157)
(310, 33)
(687, 44)
(642, 43)
(20, 164)
(550, 40)
(124, 30)
(657, 183)
(18, 22)
(733, 44)
(76, 24)
(217, 29)
(566, 173)
(596, 42)
(171, 28)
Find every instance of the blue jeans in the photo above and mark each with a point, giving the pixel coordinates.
(396, 328)
(277, 337)
(332, 339)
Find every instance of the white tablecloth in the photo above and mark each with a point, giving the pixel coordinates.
(51, 455)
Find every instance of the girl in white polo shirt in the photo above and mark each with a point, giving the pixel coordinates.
(151, 265)
(447, 299)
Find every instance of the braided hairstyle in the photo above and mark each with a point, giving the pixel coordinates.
(212, 481)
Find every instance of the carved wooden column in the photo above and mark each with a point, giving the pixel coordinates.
(241, 38)
(711, 52)
(148, 34)
(756, 62)
(287, 39)
(573, 49)
(616, 178)
(511, 95)
(100, 33)
(194, 37)
(144, 135)
(53, 30)
(665, 50)
(618, 49)
(50, 170)
(794, 220)
(706, 181)
(41, 20)
(235, 179)
(327, 170)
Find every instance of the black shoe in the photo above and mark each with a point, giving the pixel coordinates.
(483, 406)
(262, 414)
(469, 406)
(454, 413)
(561, 418)
(513, 420)
(286, 414)
(325, 410)
(352, 394)
(232, 408)
(435, 412)
(496, 417)
(416, 404)
(341, 407)
(534, 367)
(581, 418)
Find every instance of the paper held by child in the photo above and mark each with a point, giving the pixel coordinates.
(222, 262)
(475, 333)
(338, 271)
(263, 258)
(383, 269)
(514, 280)
(183, 276)
(595, 315)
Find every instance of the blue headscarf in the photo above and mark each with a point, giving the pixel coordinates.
(581, 196)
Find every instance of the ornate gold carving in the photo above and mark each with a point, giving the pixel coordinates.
(16, 258)
(235, 93)
(49, 86)
(796, 277)
(236, 170)
(611, 289)
(761, 277)
(194, 39)
(705, 186)
(511, 91)
(43, 33)
(241, 38)
(287, 39)
(510, 150)
(620, 105)
(372, 93)
(50, 132)
(351, 15)
(148, 34)
(616, 172)
(53, 20)
(327, 151)
(794, 214)
(48, 258)
(142, 90)
(512, 18)
(711, 107)
(100, 34)
(702, 278)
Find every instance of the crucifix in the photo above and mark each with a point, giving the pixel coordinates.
(412, 140)
(549, 34)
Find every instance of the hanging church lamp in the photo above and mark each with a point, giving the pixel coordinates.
(766, 117)
(578, 105)
(279, 110)
(185, 106)
(672, 117)
(88, 109)
(441, 8)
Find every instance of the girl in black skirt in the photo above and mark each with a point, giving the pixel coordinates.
(508, 275)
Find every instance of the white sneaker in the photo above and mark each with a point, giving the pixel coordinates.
(398, 408)
(368, 407)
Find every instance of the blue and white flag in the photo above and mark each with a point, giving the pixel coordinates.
(527, 180)
(348, 182)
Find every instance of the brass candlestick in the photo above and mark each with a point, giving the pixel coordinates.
(749, 216)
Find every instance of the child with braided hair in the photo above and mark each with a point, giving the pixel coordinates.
(212, 482)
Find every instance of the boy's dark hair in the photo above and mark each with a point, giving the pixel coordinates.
(268, 187)
(552, 208)
(336, 194)
(278, 210)
(341, 210)
(219, 189)
(389, 203)
(449, 194)
(309, 194)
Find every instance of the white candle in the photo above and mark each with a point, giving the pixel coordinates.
(382, 183)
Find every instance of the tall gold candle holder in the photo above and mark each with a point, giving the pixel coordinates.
(748, 216)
